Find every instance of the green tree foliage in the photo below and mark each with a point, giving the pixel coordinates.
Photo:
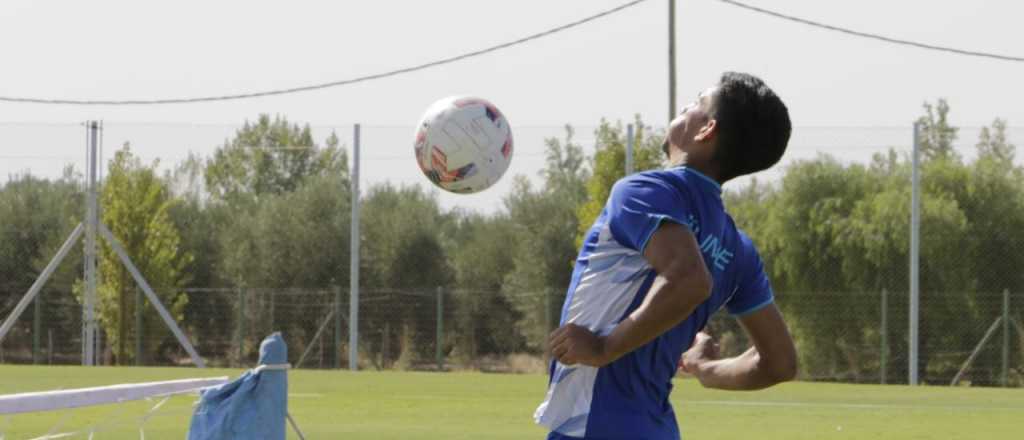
(838, 234)
(269, 156)
(272, 246)
(37, 216)
(268, 202)
(937, 136)
(484, 317)
(270, 212)
(608, 165)
(136, 205)
(545, 223)
(403, 262)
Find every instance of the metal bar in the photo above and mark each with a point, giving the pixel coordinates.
(353, 301)
(295, 426)
(915, 243)
(241, 325)
(273, 297)
(91, 219)
(548, 325)
(884, 355)
(1006, 336)
(37, 321)
(440, 329)
(970, 359)
(671, 59)
(38, 284)
(316, 336)
(336, 347)
(138, 326)
(153, 299)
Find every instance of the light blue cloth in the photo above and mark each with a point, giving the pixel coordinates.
(252, 407)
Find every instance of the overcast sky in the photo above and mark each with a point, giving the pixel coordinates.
(611, 68)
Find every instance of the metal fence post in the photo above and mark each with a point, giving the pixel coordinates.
(883, 361)
(353, 294)
(915, 240)
(440, 328)
(241, 325)
(273, 300)
(1006, 334)
(336, 348)
(138, 326)
(37, 322)
(547, 325)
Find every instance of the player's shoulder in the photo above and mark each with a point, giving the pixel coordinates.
(673, 179)
(747, 249)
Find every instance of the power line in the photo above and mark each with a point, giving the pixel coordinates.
(338, 83)
(874, 36)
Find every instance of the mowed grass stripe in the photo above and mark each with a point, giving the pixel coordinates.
(410, 405)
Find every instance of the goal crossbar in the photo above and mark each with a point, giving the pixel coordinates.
(80, 397)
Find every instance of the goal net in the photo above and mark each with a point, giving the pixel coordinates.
(253, 406)
(101, 412)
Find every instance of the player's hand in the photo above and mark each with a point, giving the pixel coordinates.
(571, 344)
(703, 349)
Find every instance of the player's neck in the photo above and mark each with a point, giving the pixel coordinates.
(678, 158)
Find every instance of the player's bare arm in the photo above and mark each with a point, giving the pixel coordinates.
(770, 361)
(683, 282)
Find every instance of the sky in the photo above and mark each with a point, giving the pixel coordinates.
(847, 96)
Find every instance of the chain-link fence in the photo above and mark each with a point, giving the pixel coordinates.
(850, 337)
(267, 205)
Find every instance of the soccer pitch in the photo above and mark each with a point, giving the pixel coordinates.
(400, 405)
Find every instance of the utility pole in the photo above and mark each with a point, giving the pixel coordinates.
(671, 60)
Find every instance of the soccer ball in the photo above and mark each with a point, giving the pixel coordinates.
(463, 144)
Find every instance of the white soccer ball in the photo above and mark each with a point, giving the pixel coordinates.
(463, 144)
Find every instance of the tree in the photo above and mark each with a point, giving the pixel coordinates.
(937, 136)
(837, 234)
(38, 215)
(544, 246)
(993, 143)
(403, 263)
(136, 205)
(270, 156)
(608, 165)
(485, 320)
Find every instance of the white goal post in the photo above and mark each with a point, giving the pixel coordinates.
(80, 397)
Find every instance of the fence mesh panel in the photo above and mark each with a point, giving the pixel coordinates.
(238, 244)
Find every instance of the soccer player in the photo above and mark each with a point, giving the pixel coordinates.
(661, 258)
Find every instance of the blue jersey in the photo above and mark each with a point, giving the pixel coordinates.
(629, 398)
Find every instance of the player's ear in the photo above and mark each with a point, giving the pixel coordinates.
(707, 131)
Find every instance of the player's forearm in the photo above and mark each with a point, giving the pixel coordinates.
(748, 371)
(666, 305)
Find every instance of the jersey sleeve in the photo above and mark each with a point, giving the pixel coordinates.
(637, 206)
(754, 291)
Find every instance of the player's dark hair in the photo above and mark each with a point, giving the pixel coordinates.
(753, 125)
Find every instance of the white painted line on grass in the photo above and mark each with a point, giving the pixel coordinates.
(844, 405)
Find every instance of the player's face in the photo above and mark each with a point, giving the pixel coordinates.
(684, 129)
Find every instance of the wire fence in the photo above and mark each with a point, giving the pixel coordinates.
(834, 239)
(858, 337)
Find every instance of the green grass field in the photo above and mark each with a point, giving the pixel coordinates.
(392, 405)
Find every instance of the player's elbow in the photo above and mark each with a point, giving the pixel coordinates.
(786, 372)
(783, 368)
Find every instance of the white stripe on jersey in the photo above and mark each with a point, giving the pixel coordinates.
(608, 285)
